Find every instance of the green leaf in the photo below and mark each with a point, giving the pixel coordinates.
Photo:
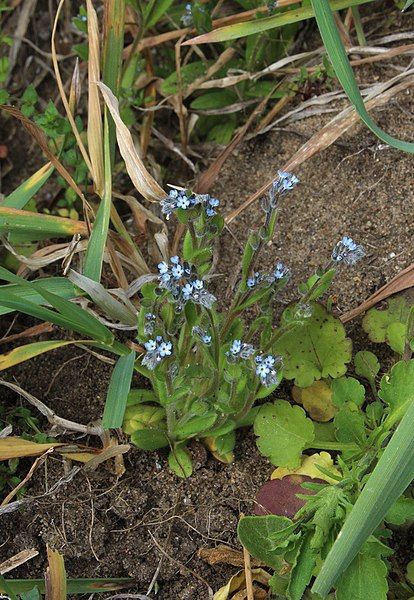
(318, 348)
(38, 226)
(364, 579)
(388, 481)
(32, 594)
(150, 439)
(389, 325)
(189, 73)
(397, 389)
(347, 389)
(302, 570)
(339, 59)
(350, 426)
(283, 431)
(366, 364)
(119, 386)
(97, 240)
(401, 511)
(180, 462)
(195, 425)
(262, 535)
(211, 100)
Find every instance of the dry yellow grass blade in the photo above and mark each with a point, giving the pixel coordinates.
(55, 576)
(95, 130)
(16, 447)
(62, 92)
(140, 177)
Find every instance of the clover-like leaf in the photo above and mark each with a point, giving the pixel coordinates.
(397, 389)
(283, 432)
(346, 390)
(315, 349)
(388, 325)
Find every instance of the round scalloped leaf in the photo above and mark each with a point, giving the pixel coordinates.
(283, 433)
(366, 364)
(388, 325)
(397, 388)
(346, 390)
(316, 349)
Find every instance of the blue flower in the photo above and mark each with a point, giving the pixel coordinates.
(187, 18)
(239, 349)
(347, 251)
(198, 284)
(281, 271)
(157, 350)
(285, 182)
(187, 290)
(204, 336)
(162, 268)
(177, 271)
(267, 369)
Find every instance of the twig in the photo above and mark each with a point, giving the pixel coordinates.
(51, 416)
(248, 574)
(37, 463)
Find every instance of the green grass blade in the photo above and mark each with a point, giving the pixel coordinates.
(118, 390)
(238, 30)
(97, 241)
(74, 586)
(154, 10)
(57, 285)
(25, 192)
(391, 476)
(38, 225)
(113, 45)
(339, 59)
(69, 315)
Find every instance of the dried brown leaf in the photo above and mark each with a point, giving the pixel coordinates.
(95, 131)
(55, 576)
(140, 177)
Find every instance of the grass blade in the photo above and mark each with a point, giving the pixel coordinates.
(118, 390)
(25, 192)
(55, 576)
(97, 241)
(69, 315)
(57, 285)
(28, 351)
(37, 225)
(74, 586)
(17, 447)
(337, 54)
(142, 180)
(238, 30)
(391, 476)
(113, 45)
(95, 133)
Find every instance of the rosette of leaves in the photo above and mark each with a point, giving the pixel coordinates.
(314, 348)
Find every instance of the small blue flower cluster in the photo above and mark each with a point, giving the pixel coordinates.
(202, 334)
(283, 183)
(240, 350)
(280, 272)
(187, 18)
(177, 279)
(185, 200)
(156, 350)
(347, 251)
(266, 366)
(150, 319)
(266, 369)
